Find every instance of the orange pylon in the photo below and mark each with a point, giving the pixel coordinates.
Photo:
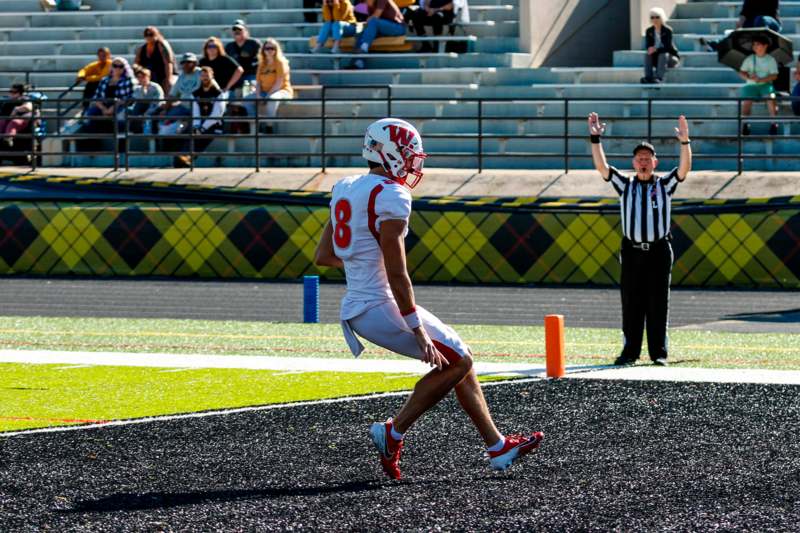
(554, 345)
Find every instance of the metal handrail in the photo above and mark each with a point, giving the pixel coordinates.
(122, 134)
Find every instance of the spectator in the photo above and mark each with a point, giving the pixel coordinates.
(754, 14)
(156, 55)
(273, 81)
(15, 114)
(208, 109)
(661, 50)
(226, 70)
(180, 97)
(758, 71)
(244, 50)
(93, 73)
(338, 21)
(435, 13)
(152, 93)
(110, 99)
(384, 19)
(758, 14)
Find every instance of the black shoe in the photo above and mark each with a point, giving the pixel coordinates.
(746, 128)
(661, 361)
(622, 360)
(645, 80)
(773, 128)
(658, 81)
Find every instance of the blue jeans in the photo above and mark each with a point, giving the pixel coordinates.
(335, 30)
(380, 27)
(761, 22)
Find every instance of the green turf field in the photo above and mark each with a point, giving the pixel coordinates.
(490, 343)
(54, 395)
(46, 395)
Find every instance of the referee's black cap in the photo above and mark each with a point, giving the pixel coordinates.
(644, 145)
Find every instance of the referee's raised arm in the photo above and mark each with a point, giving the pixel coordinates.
(682, 133)
(596, 129)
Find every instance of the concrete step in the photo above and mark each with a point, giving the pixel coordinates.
(323, 61)
(59, 35)
(688, 42)
(720, 25)
(696, 10)
(179, 17)
(635, 58)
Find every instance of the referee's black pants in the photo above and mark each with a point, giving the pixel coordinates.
(644, 285)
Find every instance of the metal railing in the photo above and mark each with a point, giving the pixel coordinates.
(335, 104)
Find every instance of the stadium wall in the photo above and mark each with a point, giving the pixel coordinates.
(752, 244)
(559, 33)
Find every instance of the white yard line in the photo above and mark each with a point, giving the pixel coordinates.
(179, 362)
(249, 362)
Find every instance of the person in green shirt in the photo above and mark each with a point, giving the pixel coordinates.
(758, 71)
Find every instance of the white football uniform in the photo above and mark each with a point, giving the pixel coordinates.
(359, 205)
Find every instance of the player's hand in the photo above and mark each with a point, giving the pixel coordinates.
(595, 126)
(682, 131)
(430, 354)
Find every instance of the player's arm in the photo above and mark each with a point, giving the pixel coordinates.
(392, 234)
(325, 256)
(596, 130)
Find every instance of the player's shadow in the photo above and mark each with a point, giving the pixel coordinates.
(161, 500)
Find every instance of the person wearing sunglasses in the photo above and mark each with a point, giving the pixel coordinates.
(156, 56)
(110, 99)
(227, 71)
(273, 82)
(661, 50)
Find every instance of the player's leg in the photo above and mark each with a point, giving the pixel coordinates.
(383, 325)
(502, 450)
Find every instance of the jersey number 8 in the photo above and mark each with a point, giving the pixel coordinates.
(342, 234)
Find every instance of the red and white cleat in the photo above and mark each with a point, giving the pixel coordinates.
(388, 448)
(515, 447)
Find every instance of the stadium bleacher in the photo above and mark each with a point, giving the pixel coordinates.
(51, 47)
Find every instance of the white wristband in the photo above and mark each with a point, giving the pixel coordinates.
(411, 317)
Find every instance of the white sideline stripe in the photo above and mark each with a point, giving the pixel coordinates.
(204, 414)
(250, 362)
(647, 372)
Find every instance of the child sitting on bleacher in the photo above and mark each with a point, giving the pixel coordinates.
(759, 70)
(338, 21)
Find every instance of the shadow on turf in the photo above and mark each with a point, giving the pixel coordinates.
(160, 500)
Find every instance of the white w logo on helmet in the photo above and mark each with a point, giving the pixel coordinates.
(396, 145)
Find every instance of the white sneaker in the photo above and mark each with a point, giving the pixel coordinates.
(336, 50)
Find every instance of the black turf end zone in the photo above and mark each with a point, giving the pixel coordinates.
(617, 455)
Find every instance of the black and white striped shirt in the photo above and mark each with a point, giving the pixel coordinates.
(644, 205)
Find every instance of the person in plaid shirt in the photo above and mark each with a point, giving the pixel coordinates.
(109, 99)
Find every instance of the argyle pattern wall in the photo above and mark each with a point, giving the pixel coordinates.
(447, 243)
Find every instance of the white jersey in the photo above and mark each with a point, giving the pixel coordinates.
(358, 207)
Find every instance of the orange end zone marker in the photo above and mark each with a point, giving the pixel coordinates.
(554, 345)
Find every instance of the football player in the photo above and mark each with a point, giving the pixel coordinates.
(365, 235)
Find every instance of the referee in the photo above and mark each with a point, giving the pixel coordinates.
(646, 255)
